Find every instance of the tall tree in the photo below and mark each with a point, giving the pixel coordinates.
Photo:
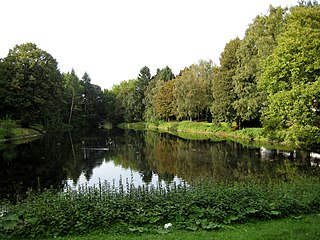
(127, 106)
(223, 87)
(193, 91)
(150, 114)
(33, 86)
(73, 90)
(257, 45)
(93, 105)
(3, 91)
(110, 103)
(165, 102)
(144, 78)
(152, 90)
(164, 74)
(292, 79)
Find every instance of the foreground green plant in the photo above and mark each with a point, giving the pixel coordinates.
(130, 209)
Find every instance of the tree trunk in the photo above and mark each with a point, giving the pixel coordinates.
(71, 108)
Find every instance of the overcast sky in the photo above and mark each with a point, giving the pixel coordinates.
(113, 39)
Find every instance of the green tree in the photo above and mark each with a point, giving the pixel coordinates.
(152, 90)
(164, 74)
(127, 107)
(223, 87)
(165, 102)
(258, 43)
(150, 114)
(110, 106)
(144, 78)
(193, 91)
(181, 90)
(291, 79)
(72, 94)
(3, 91)
(92, 102)
(32, 86)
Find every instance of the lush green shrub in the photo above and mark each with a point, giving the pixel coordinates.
(128, 208)
(6, 128)
(252, 133)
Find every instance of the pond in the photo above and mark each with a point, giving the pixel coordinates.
(69, 159)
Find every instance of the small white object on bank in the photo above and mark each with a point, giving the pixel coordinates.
(167, 226)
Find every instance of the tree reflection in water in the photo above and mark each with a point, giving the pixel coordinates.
(72, 158)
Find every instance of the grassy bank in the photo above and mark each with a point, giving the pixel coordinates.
(200, 130)
(129, 210)
(11, 131)
(299, 227)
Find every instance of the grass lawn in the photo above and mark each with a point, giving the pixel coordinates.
(301, 227)
(17, 133)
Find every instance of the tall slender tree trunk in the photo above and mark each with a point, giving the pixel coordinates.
(71, 108)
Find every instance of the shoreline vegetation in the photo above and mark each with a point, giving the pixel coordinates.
(214, 131)
(22, 135)
(200, 207)
(268, 78)
(11, 131)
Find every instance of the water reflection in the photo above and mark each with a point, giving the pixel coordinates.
(142, 157)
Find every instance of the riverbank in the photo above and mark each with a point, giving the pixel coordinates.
(18, 134)
(215, 132)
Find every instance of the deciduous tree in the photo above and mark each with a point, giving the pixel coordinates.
(223, 88)
(72, 94)
(165, 101)
(93, 105)
(257, 45)
(193, 91)
(292, 79)
(33, 86)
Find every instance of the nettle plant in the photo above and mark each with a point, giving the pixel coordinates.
(149, 208)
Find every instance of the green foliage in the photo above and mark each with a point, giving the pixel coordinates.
(223, 87)
(193, 91)
(128, 208)
(6, 128)
(128, 106)
(144, 78)
(31, 86)
(165, 102)
(251, 133)
(150, 114)
(93, 107)
(110, 102)
(292, 79)
(257, 45)
(33, 91)
(133, 96)
(73, 99)
(271, 76)
(155, 91)
(164, 74)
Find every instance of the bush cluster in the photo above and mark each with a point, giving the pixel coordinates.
(127, 208)
(6, 128)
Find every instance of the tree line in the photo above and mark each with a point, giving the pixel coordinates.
(34, 91)
(270, 78)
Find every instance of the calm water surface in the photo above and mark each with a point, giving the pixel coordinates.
(69, 159)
